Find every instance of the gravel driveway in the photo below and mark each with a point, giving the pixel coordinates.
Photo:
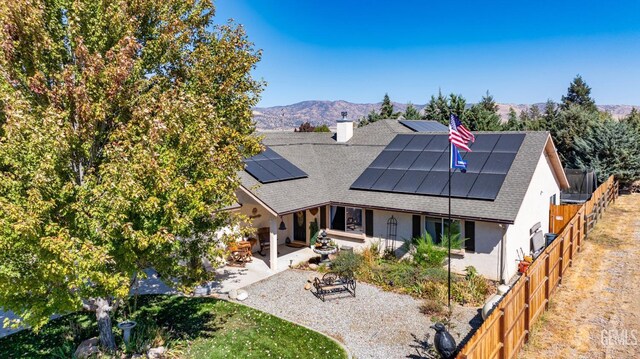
(374, 324)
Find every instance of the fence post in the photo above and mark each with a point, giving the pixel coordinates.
(571, 244)
(561, 261)
(527, 300)
(546, 282)
(502, 333)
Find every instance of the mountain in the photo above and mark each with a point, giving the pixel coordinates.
(327, 112)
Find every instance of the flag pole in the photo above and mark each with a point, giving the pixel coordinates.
(449, 232)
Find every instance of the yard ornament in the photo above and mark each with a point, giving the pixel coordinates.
(443, 341)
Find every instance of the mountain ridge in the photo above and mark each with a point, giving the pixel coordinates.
(318, 112)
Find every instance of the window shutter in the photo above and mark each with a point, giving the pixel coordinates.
(416, 226)
(368, 222)
(470, 235)
(323, 217)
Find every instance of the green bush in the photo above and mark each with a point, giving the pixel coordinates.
(346, 263)
(314, 229)
(427, 253)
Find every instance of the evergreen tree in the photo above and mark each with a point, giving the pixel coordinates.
(305, 127)
(386, 109)
(579, 93)
(610, 148)
(570, 125)
(513, 123)
(633, 119)
(411, 112)
(549, 116)
(483, 116)
(440, 108)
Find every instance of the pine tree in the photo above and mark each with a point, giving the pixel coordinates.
(610, 148)
(579, 93)
(570, 125)
(483, 116)
(411, 112)
(513, 124)
(633, 119)
(386, 109)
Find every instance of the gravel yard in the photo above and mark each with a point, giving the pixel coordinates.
(374, 324)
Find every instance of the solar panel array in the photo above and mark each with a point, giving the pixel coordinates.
(419, 164)
(269, 167)
(425, 126)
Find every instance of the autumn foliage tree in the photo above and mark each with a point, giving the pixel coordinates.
(123, 126)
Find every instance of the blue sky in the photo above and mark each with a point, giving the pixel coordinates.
(520, 51)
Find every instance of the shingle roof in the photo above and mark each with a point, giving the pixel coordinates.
(332, 168)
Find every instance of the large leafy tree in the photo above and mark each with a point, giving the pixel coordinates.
(123, 125)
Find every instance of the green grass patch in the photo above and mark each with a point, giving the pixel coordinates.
(189, 327)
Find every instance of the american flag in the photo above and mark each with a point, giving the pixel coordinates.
(458, 134)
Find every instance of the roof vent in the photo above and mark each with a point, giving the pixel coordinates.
(345, 128)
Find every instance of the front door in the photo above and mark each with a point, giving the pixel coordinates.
(299, 227)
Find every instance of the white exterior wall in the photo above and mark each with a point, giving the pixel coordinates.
(534, 209)
(262, 217)
(404, 230)
(486, 257)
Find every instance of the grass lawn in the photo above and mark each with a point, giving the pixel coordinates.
(189, 327)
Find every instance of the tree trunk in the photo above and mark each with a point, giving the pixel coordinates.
(103, 315)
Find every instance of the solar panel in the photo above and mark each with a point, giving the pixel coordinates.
(434, 183)
(424, 126)
(420, 164)
(486, 186)
(367, 178)
(404, 160)
(268, 167)
(509, 143)
(410, 181)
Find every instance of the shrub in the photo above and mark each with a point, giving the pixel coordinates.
(346, 263)
(427, 253)
(432, 307)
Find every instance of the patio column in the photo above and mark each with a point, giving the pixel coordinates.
(273, 244)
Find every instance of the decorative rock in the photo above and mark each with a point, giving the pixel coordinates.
(156, 353)
(313, 266)
(242, 295)
(87, 348)
(136, 356)
(311, 277)
(233, 294)
(307, 286)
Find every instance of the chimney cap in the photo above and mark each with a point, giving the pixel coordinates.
(344, 117)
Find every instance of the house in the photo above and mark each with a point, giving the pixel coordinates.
(388, 182)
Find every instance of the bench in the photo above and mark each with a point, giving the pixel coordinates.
(332, 283)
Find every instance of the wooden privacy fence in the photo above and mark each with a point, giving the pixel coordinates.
(506, 329)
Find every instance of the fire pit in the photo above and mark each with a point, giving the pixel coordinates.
(325, 249)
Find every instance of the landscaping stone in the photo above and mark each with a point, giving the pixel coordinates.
(313, 266)
(311, 277)
(374, 324)
(307, 286)
(233, 294)
(242, 295)
(156, 353)
(87, 348)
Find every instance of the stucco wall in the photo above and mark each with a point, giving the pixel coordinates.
(535, 208)
(486, 257)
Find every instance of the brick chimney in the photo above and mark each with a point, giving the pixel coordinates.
(345, 129)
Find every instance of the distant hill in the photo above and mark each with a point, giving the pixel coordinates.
(327, 112)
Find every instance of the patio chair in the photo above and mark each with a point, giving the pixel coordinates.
(264, 240)
(240, 253)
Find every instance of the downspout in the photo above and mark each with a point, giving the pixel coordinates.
(503, 250)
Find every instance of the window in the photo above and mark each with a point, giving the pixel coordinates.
(439, 227)
(470, 235)
(346, 219)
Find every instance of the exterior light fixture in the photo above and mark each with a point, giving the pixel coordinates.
(282, 226)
